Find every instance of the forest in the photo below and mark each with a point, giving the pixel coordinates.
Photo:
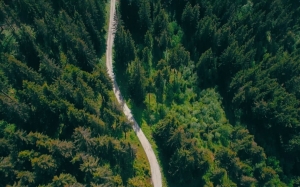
(60, 124)
(218, 84)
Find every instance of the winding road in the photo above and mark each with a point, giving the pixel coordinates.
(155, 170)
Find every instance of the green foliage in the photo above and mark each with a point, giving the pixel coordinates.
(160, 23)
(207, 69)
(63, 180)
(190, 18)
(124, 47)
(179, 57)
(59, 124)
(220, 76)
(137, 80)
(144, 15)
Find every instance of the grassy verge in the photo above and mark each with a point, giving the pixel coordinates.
(141, 164)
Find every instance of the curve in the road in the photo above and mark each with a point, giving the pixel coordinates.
(155, 170)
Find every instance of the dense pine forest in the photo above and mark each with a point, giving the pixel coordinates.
(60, 124)
(218, 83)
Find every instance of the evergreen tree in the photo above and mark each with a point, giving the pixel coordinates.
(137, 81)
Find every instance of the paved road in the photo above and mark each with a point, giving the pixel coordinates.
(155, 170)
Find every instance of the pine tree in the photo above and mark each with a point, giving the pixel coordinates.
(144, 15)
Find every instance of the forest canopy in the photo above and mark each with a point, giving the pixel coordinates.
(218, 82)
(60, 124)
